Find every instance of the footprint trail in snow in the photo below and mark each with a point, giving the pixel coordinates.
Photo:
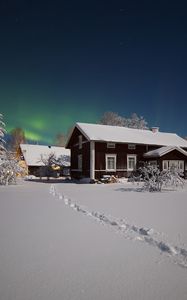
(132, 232)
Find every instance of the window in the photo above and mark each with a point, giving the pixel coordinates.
(80, 162)
(177, 164)
(131, 146)
(111, 145)
(165, 165)
(80, 141)
(181, 165)
(111, 162)
(131, 162)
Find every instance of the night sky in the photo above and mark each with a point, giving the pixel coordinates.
(68, 61)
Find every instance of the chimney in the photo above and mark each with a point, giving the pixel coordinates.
(155, 129)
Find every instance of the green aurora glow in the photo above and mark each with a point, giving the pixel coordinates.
(41, 120)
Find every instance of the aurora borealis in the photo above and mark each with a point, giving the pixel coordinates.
(68, 61)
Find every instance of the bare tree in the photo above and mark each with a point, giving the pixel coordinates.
(17, 138)
(60, 140)
(47, 169)
(52, 164)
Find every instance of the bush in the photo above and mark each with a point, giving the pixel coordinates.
(154, 179)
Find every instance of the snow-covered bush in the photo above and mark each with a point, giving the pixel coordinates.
(9, 169)
(154, 179)
(8, 165)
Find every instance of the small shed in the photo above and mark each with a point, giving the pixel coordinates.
(168, 157)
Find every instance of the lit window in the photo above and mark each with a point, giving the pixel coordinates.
(131, 162)
(80, 162)
(110, 162)
(111, 145)
(131, 146)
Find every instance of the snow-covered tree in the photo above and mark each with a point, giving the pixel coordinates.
(17, 137)
(112, 118)
(135, 121)
(9, 169)
(2, 133)
(60, 140)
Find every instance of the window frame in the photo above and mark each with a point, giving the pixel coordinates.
(132, 146)
(164, 162)
(176, 163)
(106, 162)
(131, 156)
(111, 145)
(183, 165)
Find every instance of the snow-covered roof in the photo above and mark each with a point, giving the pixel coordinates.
(116, 134)
(32, 153)
(164, 150)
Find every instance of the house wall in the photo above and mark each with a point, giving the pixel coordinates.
(75, 152)
(121, 151)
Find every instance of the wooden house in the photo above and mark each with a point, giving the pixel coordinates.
(98, 150)
(30, 157)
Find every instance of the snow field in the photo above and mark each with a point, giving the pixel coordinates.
(178, 254)
(54, 247)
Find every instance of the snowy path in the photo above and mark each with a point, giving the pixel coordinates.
(146, 235)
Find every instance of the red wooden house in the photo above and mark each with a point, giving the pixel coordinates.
(98, 150)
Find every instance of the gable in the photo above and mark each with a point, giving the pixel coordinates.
(163, 151)
(74, 137)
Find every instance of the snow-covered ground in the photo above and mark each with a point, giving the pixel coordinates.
(84, 242)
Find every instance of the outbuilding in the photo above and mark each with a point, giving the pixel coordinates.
(34, 159)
